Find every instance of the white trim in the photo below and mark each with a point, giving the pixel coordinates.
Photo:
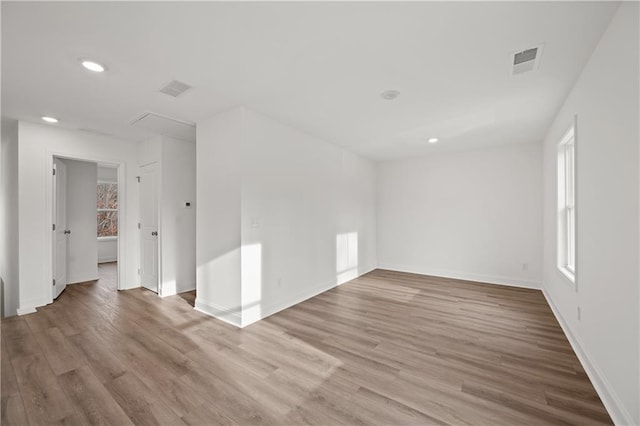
(233, 315)
(467, 276)
(568, 274)
(607, 394)
(570, 137)
(31, 305)
(191, 287)
(77, 279)
(28, 309)
(268, 310)
(110, 238)
(120, 166)
(228, 315)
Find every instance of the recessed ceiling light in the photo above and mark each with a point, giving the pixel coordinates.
(432, 140)
(50, 119)
(389, 95)
(92, 65)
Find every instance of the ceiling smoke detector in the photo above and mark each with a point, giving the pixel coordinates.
(525, 60)
(389, 95)
(174, 88)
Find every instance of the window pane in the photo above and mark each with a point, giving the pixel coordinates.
(107, 196)
(112, 196)
(107, 224)
(102, 195)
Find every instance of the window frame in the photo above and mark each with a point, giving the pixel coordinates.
(109, 237)
(566, 183)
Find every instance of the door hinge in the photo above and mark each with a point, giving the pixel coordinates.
(138, 225)
(54, 227)
(138, 179)
(54, 282)
(54, 172)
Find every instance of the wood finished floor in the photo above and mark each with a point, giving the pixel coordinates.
(388, 348)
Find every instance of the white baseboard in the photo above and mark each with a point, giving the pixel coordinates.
(607, 394)
(443, 273)
(229, 315)
(235, 317)
(30, 306)
(300, 297)
(27, 310)
(190, 287)
(77, 279)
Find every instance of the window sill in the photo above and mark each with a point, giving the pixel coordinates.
(108, 238)
(568, 274)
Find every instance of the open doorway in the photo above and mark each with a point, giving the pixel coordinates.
(85, 215)
(107, 207)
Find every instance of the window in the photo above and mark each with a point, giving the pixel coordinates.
(567, 204)
(107, 209)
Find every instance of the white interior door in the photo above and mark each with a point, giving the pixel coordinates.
(149, 227)
(60, 231)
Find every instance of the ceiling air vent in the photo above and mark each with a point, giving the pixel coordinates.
(174, 88)
(526, 60)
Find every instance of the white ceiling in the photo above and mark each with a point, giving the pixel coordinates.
(319, 67)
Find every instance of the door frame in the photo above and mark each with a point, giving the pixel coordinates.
(54, 211)
(122, 208)
(158, 164)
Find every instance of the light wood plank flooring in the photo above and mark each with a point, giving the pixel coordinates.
(388, 348)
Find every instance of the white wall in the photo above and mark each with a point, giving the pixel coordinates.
(107, 174)
(82, 246)
(107, 246)
(605, 100)
(37, 145)
(308, 216)
(471, 215)
(218, 215)
(282, 216)
(178, 227)
(9, 257)
(107, 249)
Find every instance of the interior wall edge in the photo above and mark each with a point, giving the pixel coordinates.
(607, 394)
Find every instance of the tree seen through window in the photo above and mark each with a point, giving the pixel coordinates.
(107, 209)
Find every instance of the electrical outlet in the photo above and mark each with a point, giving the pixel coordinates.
(525, 266)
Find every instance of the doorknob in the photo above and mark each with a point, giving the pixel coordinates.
(154, 233)
(67, 231)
